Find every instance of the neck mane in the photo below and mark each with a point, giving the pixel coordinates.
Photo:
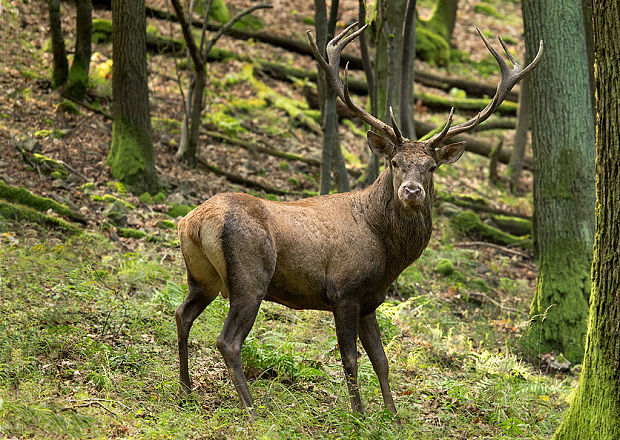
(403, 231)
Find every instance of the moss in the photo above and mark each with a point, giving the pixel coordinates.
(50, 165)
(67, 106)
(444, 267)
(159, 197)
(247, 105)
(218, 12)
(23, 196)
(458, 277)
(20, 213)
(283, 165)
(350, 158)
(559, 311)
(513, 225)
(486, 9)
(249, 23)
(509, 40)
(505, 108)
(57, 134)
(272, 197)
(87, 186)
(130, 233)
(431, 47)
(219, 117)
(297, 110)
(354, 128)
(308, 20)
(126, 158)
(146, 198)
(179, 210)
(457, 93)
(165, 224)
(101, 30)
(78, 78)
(478, 284)
(469, 224)
(109, 198)
(293, 181)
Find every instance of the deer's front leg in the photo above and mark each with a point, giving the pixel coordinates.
(371, 340)
(346, 318)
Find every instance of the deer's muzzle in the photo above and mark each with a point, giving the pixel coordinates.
(411, 193)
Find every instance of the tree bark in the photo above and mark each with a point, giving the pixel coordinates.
(61, 67)
(78, 75)
(595, 409)
(131, 155)
(523, 127)
(564, 198)
(407, 60)
(443, 18)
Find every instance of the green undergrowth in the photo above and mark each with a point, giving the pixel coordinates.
(88, 350)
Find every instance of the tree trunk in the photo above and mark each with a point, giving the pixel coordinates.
(586, 6)
(443, 18)
(564, 199)
(407, 58)
(199, 83)
(61, 67)
(78, 75)
(131, 155)
(595, 409)
(523, 126)
(331, 156)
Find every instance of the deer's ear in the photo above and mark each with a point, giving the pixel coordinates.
(379, 145)
(450, 153)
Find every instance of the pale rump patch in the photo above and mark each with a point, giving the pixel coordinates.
(200, 239)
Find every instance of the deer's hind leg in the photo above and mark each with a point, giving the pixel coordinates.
(250, 263)
(201, 291)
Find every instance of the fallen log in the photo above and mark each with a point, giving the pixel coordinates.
(237, 178)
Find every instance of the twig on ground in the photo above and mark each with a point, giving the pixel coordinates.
(483, 297)
(494, 246)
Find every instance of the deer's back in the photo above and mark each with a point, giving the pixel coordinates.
(318, 246)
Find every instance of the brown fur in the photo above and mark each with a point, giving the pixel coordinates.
(335, 252)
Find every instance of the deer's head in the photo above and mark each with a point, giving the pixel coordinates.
(412, 162)
(412, 165)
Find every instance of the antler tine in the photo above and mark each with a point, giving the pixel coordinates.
(331, 67)
(509, 77)
(436, 139)
(395, 127)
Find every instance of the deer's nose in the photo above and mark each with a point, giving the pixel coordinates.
(411, 193)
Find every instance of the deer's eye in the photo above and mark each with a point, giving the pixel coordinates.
(433, 168)
(394, 163)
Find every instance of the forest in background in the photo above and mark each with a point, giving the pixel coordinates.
(91, 272)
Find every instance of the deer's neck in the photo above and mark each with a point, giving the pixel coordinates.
(404, 232)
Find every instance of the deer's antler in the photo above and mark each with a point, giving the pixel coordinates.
(332, 71)
(509, 78)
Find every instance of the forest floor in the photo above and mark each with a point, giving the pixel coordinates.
(87, 335)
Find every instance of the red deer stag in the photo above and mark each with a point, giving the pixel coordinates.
(337, 252)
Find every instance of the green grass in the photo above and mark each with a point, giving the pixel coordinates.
(88, 350)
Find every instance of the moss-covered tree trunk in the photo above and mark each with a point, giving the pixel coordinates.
(131, 156)
(563, 146)
(60, 71)
(595, 411)
(78, 75)
(443, 18)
